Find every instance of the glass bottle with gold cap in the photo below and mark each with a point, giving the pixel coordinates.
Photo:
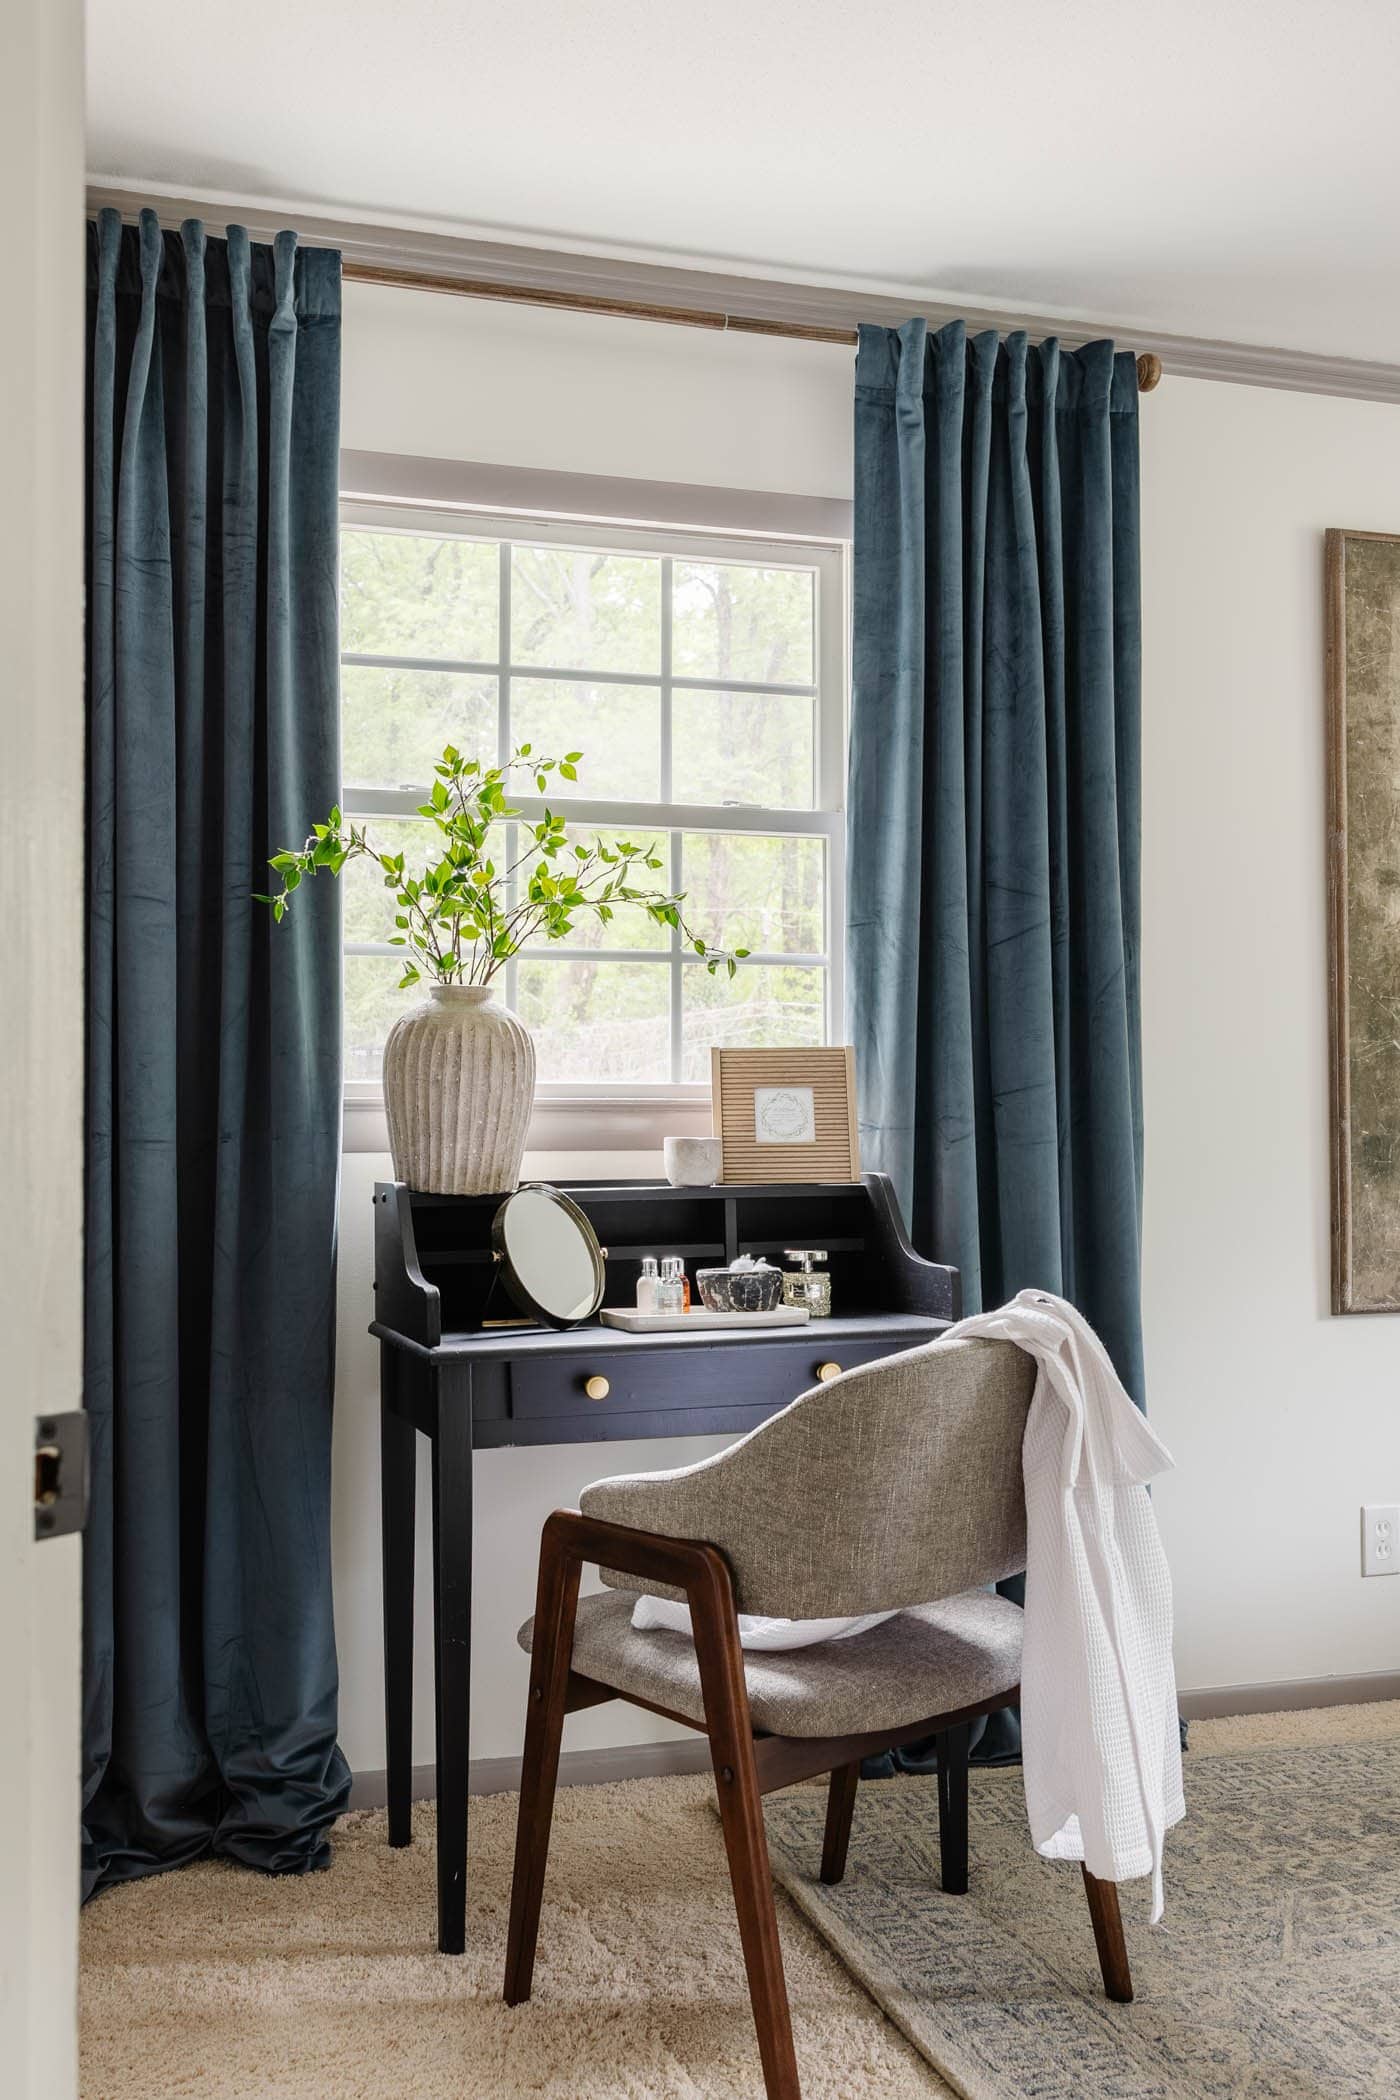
(806, 1285)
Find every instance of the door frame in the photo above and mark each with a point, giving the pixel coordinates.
(41, 1040)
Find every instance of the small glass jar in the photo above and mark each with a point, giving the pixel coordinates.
(805, 1285)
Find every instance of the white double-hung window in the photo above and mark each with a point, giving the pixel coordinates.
(702, 679)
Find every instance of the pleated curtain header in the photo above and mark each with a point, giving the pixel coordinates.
(148, 259)
(910, 363)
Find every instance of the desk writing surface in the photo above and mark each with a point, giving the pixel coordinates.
(512, 1344)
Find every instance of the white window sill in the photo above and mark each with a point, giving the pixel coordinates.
(600, 1122)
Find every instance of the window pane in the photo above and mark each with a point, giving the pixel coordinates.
(597, 1020)
(746, 748)
(394, 724)
(767, 894)
(405, 594)
(763, 1006)
(373, 1002)
(585, 611)
(741, 622)
(369, 906)
(631, 925)
(616, 727)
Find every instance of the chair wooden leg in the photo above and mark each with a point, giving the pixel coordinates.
(551, 1654)
(954, 1745)
(741, 1817)
(1108, 1938)
(840, 1806)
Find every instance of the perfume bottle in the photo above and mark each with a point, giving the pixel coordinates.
(670, 1294)
(806, 1285)
(647, 1285)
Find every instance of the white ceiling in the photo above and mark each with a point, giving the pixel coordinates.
(1222, 168)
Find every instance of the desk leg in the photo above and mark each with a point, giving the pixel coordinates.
(398, 1492)
(452, 1608)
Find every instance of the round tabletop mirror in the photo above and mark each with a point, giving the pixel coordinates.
(549, 1255)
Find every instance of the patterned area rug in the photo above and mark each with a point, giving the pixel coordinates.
(1275, 1975)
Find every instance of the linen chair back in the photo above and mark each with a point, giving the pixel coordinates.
(895, 1484)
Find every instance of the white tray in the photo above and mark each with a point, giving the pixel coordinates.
(699, 1317)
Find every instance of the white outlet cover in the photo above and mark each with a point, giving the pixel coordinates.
(1380, 1538)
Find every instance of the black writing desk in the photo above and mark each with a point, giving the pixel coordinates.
(466, 1387)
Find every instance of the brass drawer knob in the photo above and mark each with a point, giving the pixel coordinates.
(826, 1372)
(596, 1388)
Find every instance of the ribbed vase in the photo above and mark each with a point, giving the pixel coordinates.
(459, 1081)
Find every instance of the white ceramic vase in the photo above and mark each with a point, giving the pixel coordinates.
(459, 1081)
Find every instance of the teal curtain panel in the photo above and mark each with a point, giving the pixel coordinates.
(213, 1089)
(995, 811)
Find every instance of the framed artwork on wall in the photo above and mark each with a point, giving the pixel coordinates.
(786, 1115)
(1363, 851)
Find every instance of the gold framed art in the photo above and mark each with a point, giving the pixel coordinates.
(1363, 752)
(786, 1115)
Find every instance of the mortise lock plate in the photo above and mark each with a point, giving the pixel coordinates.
(60, 1474)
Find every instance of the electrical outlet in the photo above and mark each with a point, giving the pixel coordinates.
(1380, 1538)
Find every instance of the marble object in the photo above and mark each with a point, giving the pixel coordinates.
(746, 1286)
(693, 1162)
(459, 1083)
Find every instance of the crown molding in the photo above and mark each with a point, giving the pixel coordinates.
(540, 271)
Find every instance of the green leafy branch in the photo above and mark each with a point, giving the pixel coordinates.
(461, 918)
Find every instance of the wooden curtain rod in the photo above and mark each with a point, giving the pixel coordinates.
(1149, 365)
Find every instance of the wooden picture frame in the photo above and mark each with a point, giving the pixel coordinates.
(1363, 876)
(786, 1115)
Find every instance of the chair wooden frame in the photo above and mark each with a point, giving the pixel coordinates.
(746, 1766)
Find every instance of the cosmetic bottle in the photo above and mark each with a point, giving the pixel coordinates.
(670, 1297)
(647, 1285)
(805, 1285)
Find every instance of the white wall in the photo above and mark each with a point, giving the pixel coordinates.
(1282, 1419)
(522, 386)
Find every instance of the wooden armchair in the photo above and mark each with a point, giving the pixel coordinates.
(894, 1485)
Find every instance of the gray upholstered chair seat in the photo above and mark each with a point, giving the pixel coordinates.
(934, 1659)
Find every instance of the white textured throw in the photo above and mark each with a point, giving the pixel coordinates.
(763, 1636)
(1101, 1748)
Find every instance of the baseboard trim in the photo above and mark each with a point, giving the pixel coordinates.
(1217, 1701)
(501, 1775)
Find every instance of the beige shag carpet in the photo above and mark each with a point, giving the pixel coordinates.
(218, 1984)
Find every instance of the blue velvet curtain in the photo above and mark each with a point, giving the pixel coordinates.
(994, 810)
(213, 1093)
(993, 885)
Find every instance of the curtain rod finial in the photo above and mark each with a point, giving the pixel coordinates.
(1149, 371)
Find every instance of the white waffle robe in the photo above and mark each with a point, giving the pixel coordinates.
(1101, 1749)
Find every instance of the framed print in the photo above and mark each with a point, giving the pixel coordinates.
(1363, 769)
(786, 1115)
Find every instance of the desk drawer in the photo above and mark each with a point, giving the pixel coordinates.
(693, 1380)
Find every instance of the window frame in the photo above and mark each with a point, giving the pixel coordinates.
(596, 1115)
